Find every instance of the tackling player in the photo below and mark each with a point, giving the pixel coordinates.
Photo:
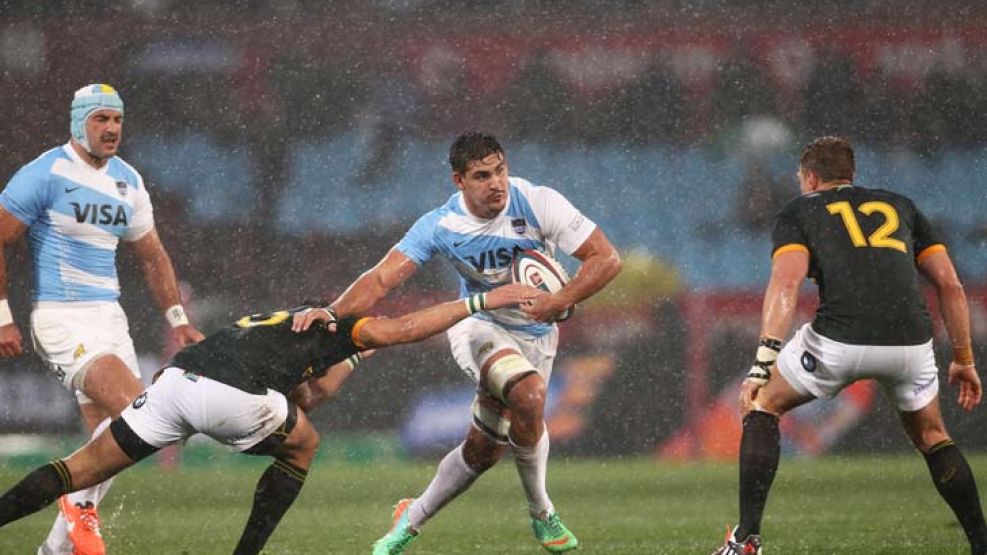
(507, 353)
(243, 386)
(865, 249)
(76, 202)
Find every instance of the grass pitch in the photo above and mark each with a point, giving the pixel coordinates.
(839, 505)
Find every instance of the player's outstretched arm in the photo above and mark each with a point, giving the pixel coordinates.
(160, 276)
(438, 318)
(600, 264)
(11, 229)
(939, 270)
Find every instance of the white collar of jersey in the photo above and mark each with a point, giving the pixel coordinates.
(474, 217)
(78, 159)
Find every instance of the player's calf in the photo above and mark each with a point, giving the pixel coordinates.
(293, 444)
(954, 480)
(36, 491)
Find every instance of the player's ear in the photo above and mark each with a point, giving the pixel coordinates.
(457, 180)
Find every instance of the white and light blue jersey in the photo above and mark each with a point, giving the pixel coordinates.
(76, 215)
(482, 250)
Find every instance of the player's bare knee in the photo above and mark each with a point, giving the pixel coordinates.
(109, 382)
(301, 444)
(526, 397)
(503, 372)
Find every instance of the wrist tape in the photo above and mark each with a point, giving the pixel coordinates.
(764, 360)
(476, 303)
(176, 316)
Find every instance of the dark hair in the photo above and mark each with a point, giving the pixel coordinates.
(830, 158)
(470, 146)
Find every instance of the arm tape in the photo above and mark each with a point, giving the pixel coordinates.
(176, 316)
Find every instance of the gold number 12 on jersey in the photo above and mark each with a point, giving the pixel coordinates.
(881, 237)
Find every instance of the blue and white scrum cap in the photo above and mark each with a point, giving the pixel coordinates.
(87, 100)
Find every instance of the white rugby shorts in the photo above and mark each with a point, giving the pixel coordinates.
(180, 404)
(70, 335)
(473, 341)
(816, 365)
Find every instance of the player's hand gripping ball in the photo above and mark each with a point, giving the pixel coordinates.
(540, 270)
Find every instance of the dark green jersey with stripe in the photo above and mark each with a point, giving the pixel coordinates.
(863, 247)
(260, 351)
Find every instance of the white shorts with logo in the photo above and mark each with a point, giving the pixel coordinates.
(180, 404)
(70, 335)
(473, 341)
(816, 365)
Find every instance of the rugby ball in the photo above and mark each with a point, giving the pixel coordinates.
(540, 270)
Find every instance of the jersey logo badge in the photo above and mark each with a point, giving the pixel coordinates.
(102, 214)
(519, 225)
(808, 361)
(309, 371)
(122, 188)
(485, 348)
(140, 400)
(71, 189)
(79, 351)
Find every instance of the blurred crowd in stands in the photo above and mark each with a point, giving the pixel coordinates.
(260, 77)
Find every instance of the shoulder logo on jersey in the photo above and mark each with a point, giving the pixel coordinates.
(140, 400)
(103, 214)
(494, 258)
(79, 351)
(122, 188)
(519, 225)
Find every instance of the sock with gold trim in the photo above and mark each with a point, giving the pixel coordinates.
(955, 482)
(36, 491)
(276, 491)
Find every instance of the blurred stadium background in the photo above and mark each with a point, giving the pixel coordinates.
(288, 144)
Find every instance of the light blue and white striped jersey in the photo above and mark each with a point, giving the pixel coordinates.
(482, 250)
(76, 215)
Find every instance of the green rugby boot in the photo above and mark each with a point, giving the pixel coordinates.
(397, 540)
(553, 535)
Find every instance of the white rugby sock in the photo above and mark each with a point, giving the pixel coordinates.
(58, 541)
(532, 467)
(453, 477)
(95, 493)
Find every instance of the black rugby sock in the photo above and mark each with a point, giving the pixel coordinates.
(276, 491)
(35, 492)
(956, 484)
(759, 452)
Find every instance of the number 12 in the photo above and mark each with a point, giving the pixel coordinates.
(881, 236)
